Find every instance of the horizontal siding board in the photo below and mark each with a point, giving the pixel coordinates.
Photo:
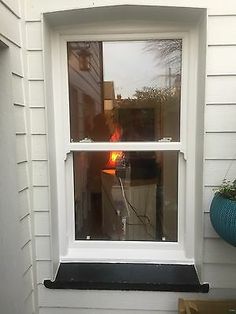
(99, 311)
(122, 300)
(27, 256)
(20, 122)
(34, 35)
(40, 198)
(21, 150)
(25, 230)
(217, 170)
(23, 201)
(220, 145)
(13, 6)
(221, 30)
(220, 276)
(36, 94)
(40, 173)
(220, 118)
(43, 270)
(37, 121)
(9, 25)
(17, 89)
(217, 251)
(39, 147)
(43, 248)
(221, 89)
(221, 60)
(22, 176)
(35, 64)
(41, 223)
(208, 194)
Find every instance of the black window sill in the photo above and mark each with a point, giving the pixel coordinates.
(121, 276)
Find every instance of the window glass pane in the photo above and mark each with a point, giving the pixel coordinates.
(126, 195)
(125, 90)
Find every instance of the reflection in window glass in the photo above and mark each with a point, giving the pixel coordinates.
(131, 197)
(125, 90)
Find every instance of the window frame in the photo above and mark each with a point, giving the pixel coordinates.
(114, 251)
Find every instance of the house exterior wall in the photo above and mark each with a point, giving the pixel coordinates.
(36, 196)
(17, 262)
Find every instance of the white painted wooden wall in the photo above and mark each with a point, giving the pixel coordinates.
(12, 33)
(26, 41)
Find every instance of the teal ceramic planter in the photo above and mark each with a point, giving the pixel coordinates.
(223, 218)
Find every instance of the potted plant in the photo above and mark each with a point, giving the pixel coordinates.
(223, 211)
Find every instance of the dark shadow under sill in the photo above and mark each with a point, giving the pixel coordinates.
(122, 276)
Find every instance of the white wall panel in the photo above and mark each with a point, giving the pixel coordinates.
(23, 202)
(221, 89)
(29, 304)
(220, 118)
(38, 121)
(20, 123)
(217, 251)
(35, 64)
(221, 60)
(13, 5)
(39, 147)
(208, 194)
(216, 170)
(43, 269)
(221, 30)
(41, 223)
(101, 311)
(220, 145)
(40, 198)
(36, 94)
(27, 256)
(220, 276)
(40, 173)
(17, 89)
(21, 150)
(34, 35)
(9, 25)
(209, 231)
(28, 283)
(25, 230)
(43, 248)
(22, 176)
(16, 63)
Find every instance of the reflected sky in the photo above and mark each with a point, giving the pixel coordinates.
(131, 66)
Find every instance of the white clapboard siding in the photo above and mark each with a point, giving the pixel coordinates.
(29, 307)
(27, 256)
(36, 94)
(221, 30)
(9, 25)
(208, 194)
(99, 311)
(35, 64)
(220, 118)
(43, 248)
(217, 251)
(220, 275)
(20, 122)
(22, 176)
(39, 147)
(41, 223)
(43, 269)
(23, 201)
(21, 148)
(220, 145)
(220, 89)
(40, 173)
(221, 60)
(25, 230)
(37, 121)
(33, 35)
(217, 170)
(16, 64)
(17, 89)
(13, 5)
(28, 283)
(209, 231)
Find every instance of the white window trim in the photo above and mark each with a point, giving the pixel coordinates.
(125, 251)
